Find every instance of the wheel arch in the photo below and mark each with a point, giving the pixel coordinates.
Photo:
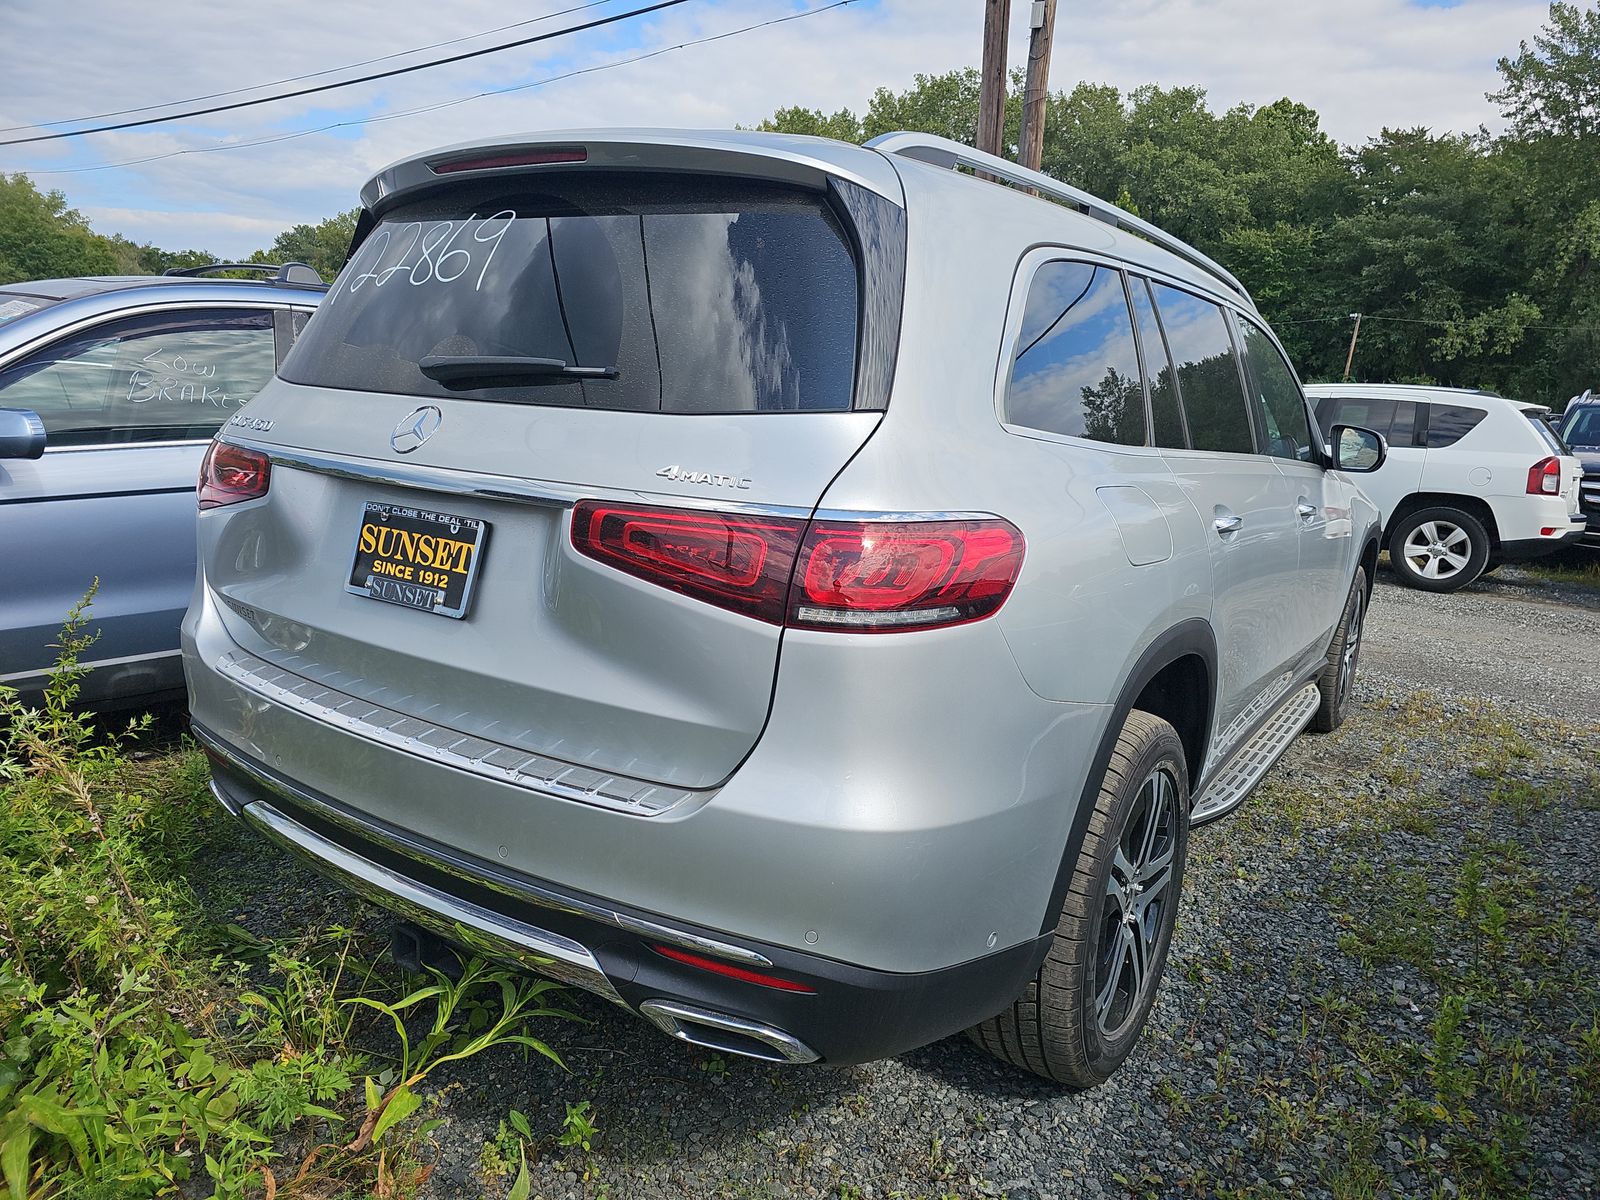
(1417, 501)
(1176, 676)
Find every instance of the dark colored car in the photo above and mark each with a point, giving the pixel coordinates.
(1580, 428)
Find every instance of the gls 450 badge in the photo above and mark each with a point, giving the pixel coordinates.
(709, 478)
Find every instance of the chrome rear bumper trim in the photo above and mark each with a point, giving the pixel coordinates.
(479, 930)
(451, 747)
(521, 890)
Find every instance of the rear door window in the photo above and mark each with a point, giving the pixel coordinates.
(1165, 413)
(167, 376)
(650, 295)
(1076, 367)
(1208, 373)
(1449, 423)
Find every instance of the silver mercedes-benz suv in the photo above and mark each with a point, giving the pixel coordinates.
(803, 593)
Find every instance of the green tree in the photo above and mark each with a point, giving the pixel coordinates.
(41, 238)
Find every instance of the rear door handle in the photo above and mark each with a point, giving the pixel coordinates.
(1227, 525)
(1306, 511)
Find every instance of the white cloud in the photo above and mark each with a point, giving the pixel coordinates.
(1364, 64)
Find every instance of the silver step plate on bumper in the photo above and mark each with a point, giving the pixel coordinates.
(1255, 758)
(490, 934)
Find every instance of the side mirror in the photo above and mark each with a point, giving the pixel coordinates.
(1361, 451)
(21, 433)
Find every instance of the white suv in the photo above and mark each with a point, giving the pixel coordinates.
(1472, 479)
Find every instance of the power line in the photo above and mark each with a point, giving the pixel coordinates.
(426, 108)
(256, 87)
(327, 87)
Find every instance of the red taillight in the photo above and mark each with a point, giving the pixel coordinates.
(231, 473)
(863, 576)
(526, 158)
(1544, 477)
(735, 562)
(733, 972)
(878, 576)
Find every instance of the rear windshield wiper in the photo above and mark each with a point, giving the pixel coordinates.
(465, 369)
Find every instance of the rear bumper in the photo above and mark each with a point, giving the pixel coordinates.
(1526, 549)
(850, 1014)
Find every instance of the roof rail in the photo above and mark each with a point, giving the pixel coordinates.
(293, 272)
(942, 152)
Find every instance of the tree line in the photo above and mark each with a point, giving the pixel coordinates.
(1472, 256)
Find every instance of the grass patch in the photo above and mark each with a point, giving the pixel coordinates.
(145, 1050)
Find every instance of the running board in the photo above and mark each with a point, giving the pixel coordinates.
(1255, 758)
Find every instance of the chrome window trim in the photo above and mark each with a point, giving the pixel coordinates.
(132, 310)
(49, 449)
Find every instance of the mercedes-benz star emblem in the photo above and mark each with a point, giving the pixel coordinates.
(415, 429)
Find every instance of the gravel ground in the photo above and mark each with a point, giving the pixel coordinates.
(1385, 969)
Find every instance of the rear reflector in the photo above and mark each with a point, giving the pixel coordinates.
(526, 158)
(848, 576)
(1544, 477)
(231, 474)
(733, 972)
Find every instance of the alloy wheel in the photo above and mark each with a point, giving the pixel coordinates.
(1438, 549)
(1139, 893)
(1352, 648)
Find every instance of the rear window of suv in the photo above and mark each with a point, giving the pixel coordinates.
(652, 295)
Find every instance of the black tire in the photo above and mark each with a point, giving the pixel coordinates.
(1059, 1027)
(1338, 679)
(1439, 554)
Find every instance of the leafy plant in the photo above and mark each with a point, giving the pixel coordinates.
(464, 1024)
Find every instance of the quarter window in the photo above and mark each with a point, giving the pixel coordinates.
(154, 377)
(1449, 423)
(1076, 368)
(1277, 396)
(1208, 373)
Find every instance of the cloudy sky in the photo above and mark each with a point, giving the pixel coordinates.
(1364, 64)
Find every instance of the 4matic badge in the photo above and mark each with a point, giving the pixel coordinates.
(709, 478)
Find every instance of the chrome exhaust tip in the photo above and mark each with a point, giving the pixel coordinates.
(728, 1034)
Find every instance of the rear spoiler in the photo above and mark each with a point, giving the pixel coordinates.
(799, 161)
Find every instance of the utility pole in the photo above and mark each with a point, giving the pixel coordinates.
(1351, 357)
(992, 91)
(1030, 145)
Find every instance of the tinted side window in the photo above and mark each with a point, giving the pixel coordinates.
(1165, 411)
(1076, 369)
(1279, 396)
(1208, 374)
(1369, 414)
(1403, 430)
(155, 377)
(1449, 423)
(1396, 420)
